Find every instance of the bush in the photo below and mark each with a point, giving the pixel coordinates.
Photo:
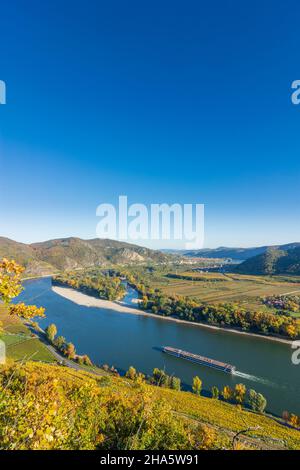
(256, 401)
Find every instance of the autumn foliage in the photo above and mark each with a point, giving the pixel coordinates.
(43, 407)
(11, 287)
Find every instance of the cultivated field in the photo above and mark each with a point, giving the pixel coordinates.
(227, 287)
(20, 344)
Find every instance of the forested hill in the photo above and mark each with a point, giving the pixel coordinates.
(237, 253)
(71, 253)
(273, 261)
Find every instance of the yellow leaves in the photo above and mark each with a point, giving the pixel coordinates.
(26, 311)
(294, 421)
(205, 438)
(197, 385)
(11, 267)
(238, 445)
(52, 407)
(100, 439)
(240, 392)
(10, 287)
(291, 331)
(227, 392)
(10, 284)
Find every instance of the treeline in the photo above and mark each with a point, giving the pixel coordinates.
(65, 347)
(239, 395)
(224, 315)
(97, 284)
(190, 277)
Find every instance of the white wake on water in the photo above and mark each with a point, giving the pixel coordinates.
(253, 378)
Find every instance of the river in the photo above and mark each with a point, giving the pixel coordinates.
(123, 339)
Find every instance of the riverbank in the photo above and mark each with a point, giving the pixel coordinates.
(88, 301)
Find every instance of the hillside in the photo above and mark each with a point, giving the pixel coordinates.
(273, 261)
(78, 410)
(233, 253)
(74, 253)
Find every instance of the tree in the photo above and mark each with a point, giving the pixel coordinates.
(86, 360)
(160, 378)
(285, 416)
(70, 351)
(227, 392)
(215, 392)
(197, 385)
(131, 373)
(140, 379)
(239, 393)
(291, 330)
(294, 420)
(256, 401)
(59, 342)
(51, 332)
(175, 383)
(11, 287)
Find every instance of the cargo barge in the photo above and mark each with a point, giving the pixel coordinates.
(203, 361)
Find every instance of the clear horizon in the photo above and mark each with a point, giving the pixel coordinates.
(147, 245)
(164, 103)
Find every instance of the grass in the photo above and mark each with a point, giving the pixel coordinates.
(20, 345)
(30, 349)
(11, 339)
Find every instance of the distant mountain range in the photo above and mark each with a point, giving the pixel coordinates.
(273, 261)
(238, 254)
(73, 253)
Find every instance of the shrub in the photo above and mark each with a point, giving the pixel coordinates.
(256, 401)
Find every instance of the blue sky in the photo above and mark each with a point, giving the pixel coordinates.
(163, 101)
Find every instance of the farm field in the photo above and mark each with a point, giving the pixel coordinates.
(20, 345)
(227, 287)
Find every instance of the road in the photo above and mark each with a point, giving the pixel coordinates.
(62, 359)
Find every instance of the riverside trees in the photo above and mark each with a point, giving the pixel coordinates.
(94, 283)
(226, 314)
(51, 332)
